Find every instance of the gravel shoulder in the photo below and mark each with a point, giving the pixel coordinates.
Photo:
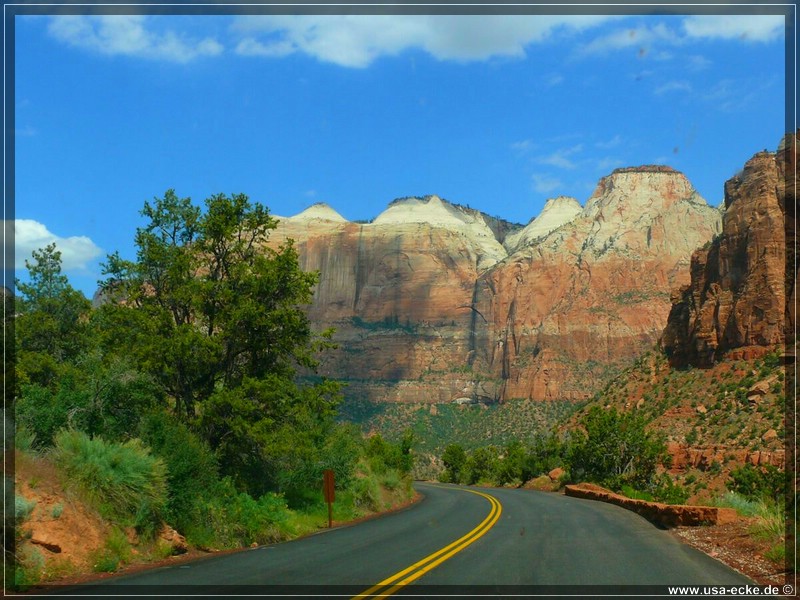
(733, 545)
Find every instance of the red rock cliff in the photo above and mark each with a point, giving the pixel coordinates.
(741, 295)
(429, 306)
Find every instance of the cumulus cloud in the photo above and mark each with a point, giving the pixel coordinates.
(129, 35)
(30, 235)
(358, 40)
(750, 28)
(607, 163)
(522, 146)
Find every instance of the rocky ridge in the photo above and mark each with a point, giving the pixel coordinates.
(741, 294)
(432, 301)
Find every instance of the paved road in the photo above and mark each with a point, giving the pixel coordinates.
(492, 538)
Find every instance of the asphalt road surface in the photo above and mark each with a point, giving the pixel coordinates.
(457, 540)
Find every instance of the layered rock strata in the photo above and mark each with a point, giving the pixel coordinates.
(741, 295)
(433, 302)
(593, 294)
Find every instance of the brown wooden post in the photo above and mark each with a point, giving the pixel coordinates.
(328, 490)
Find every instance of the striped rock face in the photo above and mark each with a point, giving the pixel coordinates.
(736, 302)
(432, 301)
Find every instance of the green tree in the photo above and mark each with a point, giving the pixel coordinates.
(455, 460)
(215, 304)
(51, 326)
(482, 465)
(616, 449)
(215, 315)
(512, 467)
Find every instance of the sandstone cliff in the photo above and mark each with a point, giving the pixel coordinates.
(592, 294)
(741, 296)
(429, 306)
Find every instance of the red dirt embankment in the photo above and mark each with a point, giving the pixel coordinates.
(668, 515)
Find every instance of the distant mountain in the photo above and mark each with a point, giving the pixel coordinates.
(433, 301)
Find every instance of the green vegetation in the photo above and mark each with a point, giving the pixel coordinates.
(610, 448)
(122, 481)
(189, 396)
(616, 450)
(436, 426)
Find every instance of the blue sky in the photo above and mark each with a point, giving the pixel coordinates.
(495, 112)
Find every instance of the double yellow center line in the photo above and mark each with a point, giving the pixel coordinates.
(390, 585)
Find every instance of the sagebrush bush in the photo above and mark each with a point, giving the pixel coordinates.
(123, 481)
(366, 494)
(22, 509)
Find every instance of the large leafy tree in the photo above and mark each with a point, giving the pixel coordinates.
(215, 315)
(214, 304)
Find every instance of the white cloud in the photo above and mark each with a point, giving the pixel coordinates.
(751, 28)
(129, 35)
(30, 235)
(26, 131)
(522, 146)
(673, 86)
(358, 40)
(554, 80)
(697, 62)
(641, 37)
(560, 158)
(545, 184)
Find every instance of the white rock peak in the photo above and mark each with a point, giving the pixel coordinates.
(319, 211)
(556, 212)
(430, 209)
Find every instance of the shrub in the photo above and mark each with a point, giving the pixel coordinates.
(666, 490)
(384, 455)
(115, 552)
(123, 481)
(22, 509)
(231, 519)
(366, 494)
(754, 483)
(616, 450)
(191, 466)
(743, 506)
(29, 568)
(482, 465)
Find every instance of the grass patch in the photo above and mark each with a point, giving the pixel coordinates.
(743, 506)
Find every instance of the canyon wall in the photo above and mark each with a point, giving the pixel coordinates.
(435, 302)
(741, 297)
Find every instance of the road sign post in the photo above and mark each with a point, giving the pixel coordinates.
(328, 490)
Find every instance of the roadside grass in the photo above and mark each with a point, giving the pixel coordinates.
(768, 522)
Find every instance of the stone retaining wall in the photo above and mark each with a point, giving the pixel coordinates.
(668, 515)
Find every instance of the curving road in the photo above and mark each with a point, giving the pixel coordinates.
(457, 539)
